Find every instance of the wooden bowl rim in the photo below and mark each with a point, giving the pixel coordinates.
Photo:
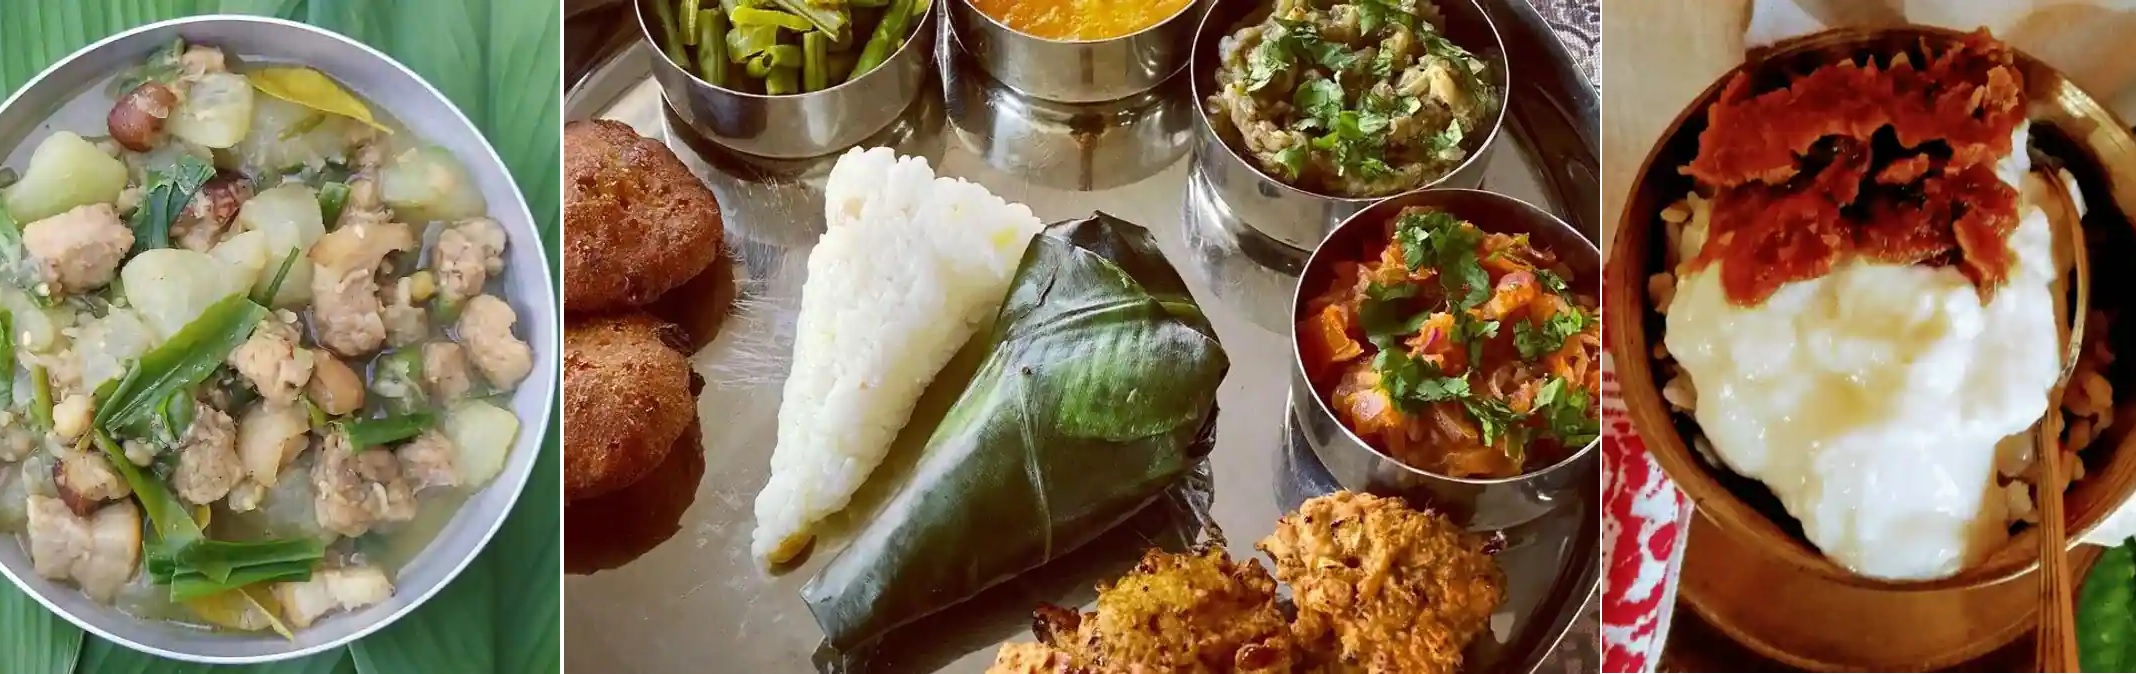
(1628, 345)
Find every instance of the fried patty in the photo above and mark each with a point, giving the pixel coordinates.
(636, 222)
(1381, 588)
(614, 529)
(627, 397)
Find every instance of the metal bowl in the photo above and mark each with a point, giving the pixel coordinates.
(1077, 71)
(1076, 146)
(1481, 504)
(1295, 216)
(71, 95)
(796, 126)
(2067, 123)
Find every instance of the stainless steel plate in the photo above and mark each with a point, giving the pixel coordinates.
(698, 603)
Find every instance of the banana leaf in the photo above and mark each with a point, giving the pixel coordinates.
(1098, 393)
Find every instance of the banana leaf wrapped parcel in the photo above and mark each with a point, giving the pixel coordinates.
(1098, 393)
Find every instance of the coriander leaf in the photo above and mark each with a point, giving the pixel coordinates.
(1535, 341)
(1436, 389)
(1551, 280)
(1384, 315)
(1472, 333)
(1292, 159)
(1439, 240)
(1320, 98)
(1268, 60)
(1448, 138)
(1383, 63)
(1566, 410)
(1496, 420)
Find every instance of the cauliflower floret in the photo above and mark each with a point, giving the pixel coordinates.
(486, 330)
(98, 552)
(272, 361)
(358, 489)
(347, 589)
(79, 250)
(208, 465)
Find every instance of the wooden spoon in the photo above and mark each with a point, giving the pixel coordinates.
(2057, 636)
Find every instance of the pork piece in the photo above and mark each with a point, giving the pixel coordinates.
(201, 60)
(468, 253)
(342, 589)
(86, 480)
(346, 312)
(206, 219)
(445, 370)
(98, 552)
(272, 360)
(486, 330)
(269, 436)
(1381, 588)
(359, 489)
(406, 322)
(427, 461)
(208, 465)
(71, 416)
(78, 251)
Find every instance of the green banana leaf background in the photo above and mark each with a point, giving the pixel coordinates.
(500, 61)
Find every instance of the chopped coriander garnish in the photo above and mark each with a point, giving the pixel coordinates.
(1385, 315)
(1292, 159)
(1551, 280)
(1439, 240)
(1535, 341)
(1564, 410)
(1472, 333)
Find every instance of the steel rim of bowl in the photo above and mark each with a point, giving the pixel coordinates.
(1160, 23)
(645, 32)
(1208, 126)
(513, 479)
(1373, 213)
(1692, 473)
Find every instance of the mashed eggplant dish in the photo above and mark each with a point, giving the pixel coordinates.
(1861, 304)
(1352, 99)
(1456, 351)
(255, 349)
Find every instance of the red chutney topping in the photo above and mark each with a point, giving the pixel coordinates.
(1803, 177)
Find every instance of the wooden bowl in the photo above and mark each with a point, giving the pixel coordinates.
(2068, 124)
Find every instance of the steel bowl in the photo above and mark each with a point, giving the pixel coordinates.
(796, 126)
(1480, 504)
(1077, 71)
(71, 95)
(1298, 217)
(1076, 146)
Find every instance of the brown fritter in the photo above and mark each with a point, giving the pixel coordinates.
(616, 528)
(1381, 588)
(1176, 614)
(1029, 658)
(627, 397)
(636, 222)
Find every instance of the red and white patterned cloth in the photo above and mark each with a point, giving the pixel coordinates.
(1644, 519)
